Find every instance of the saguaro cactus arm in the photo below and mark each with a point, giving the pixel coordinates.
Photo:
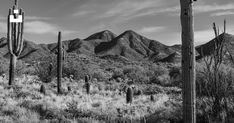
(9, 30)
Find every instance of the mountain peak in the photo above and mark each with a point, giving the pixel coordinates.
(130, 32)
(105, 35)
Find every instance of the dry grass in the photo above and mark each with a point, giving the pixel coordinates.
(24, 103)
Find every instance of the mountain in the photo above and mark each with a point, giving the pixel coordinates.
(172, 58)
(128, 45)
(209, 47)
(132, 46)
(104, 36)
(30, 50)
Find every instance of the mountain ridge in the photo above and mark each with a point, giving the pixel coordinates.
(128, 44)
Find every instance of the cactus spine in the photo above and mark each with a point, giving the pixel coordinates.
(15, 39)
(188, 61)
(59, 63)
(129, 95)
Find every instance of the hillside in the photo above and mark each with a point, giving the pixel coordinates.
(132, 46)
(105, 43)
(128, 45)
(208, 48)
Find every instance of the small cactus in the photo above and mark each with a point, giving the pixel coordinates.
(152, 98)
(42, 89)
(88, 87)
(69, 88)
(87, 78)
(129, 95)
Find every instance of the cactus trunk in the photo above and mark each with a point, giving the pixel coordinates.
(59, 63)
(188, 61)
(12, 69)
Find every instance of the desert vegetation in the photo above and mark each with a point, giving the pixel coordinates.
(105, 97)
(138, 81)
(103, 90)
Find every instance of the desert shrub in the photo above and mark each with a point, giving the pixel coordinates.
(45, 69)
(136, 73)
(217, 85)
(139, 92)
(162, 80)
(100, 75)
(20, 68)
(117, 73)
(75, 68)
(3, 66)
(158, 75)
(215, 81)
(158, 70)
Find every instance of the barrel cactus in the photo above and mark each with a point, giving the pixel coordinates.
(129, 95)
(43, 89)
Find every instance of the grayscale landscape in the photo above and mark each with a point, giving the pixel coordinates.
(60, 72)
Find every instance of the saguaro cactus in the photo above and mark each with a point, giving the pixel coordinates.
(188, 61)
(15, 29)
(59, 63)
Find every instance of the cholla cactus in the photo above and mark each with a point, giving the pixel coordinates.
(15, 31)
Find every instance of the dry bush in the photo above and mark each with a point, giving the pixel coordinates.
(43, 71)
(215, 83)
(4, 66)
(100, 75)
(75, 68)
(20, 68)
(117, 73)
(136, 73)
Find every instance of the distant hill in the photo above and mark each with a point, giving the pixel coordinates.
(172, 58)
(30, 50)
(129, 46)
(132, 46)
(209, 47)
(103, 36)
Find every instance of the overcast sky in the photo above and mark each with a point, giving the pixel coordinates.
(155, 19)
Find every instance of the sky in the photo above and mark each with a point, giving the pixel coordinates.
(155, 19)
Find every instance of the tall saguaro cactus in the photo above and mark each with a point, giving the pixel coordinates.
(188, 61)
(59, 63)
(15, 27)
